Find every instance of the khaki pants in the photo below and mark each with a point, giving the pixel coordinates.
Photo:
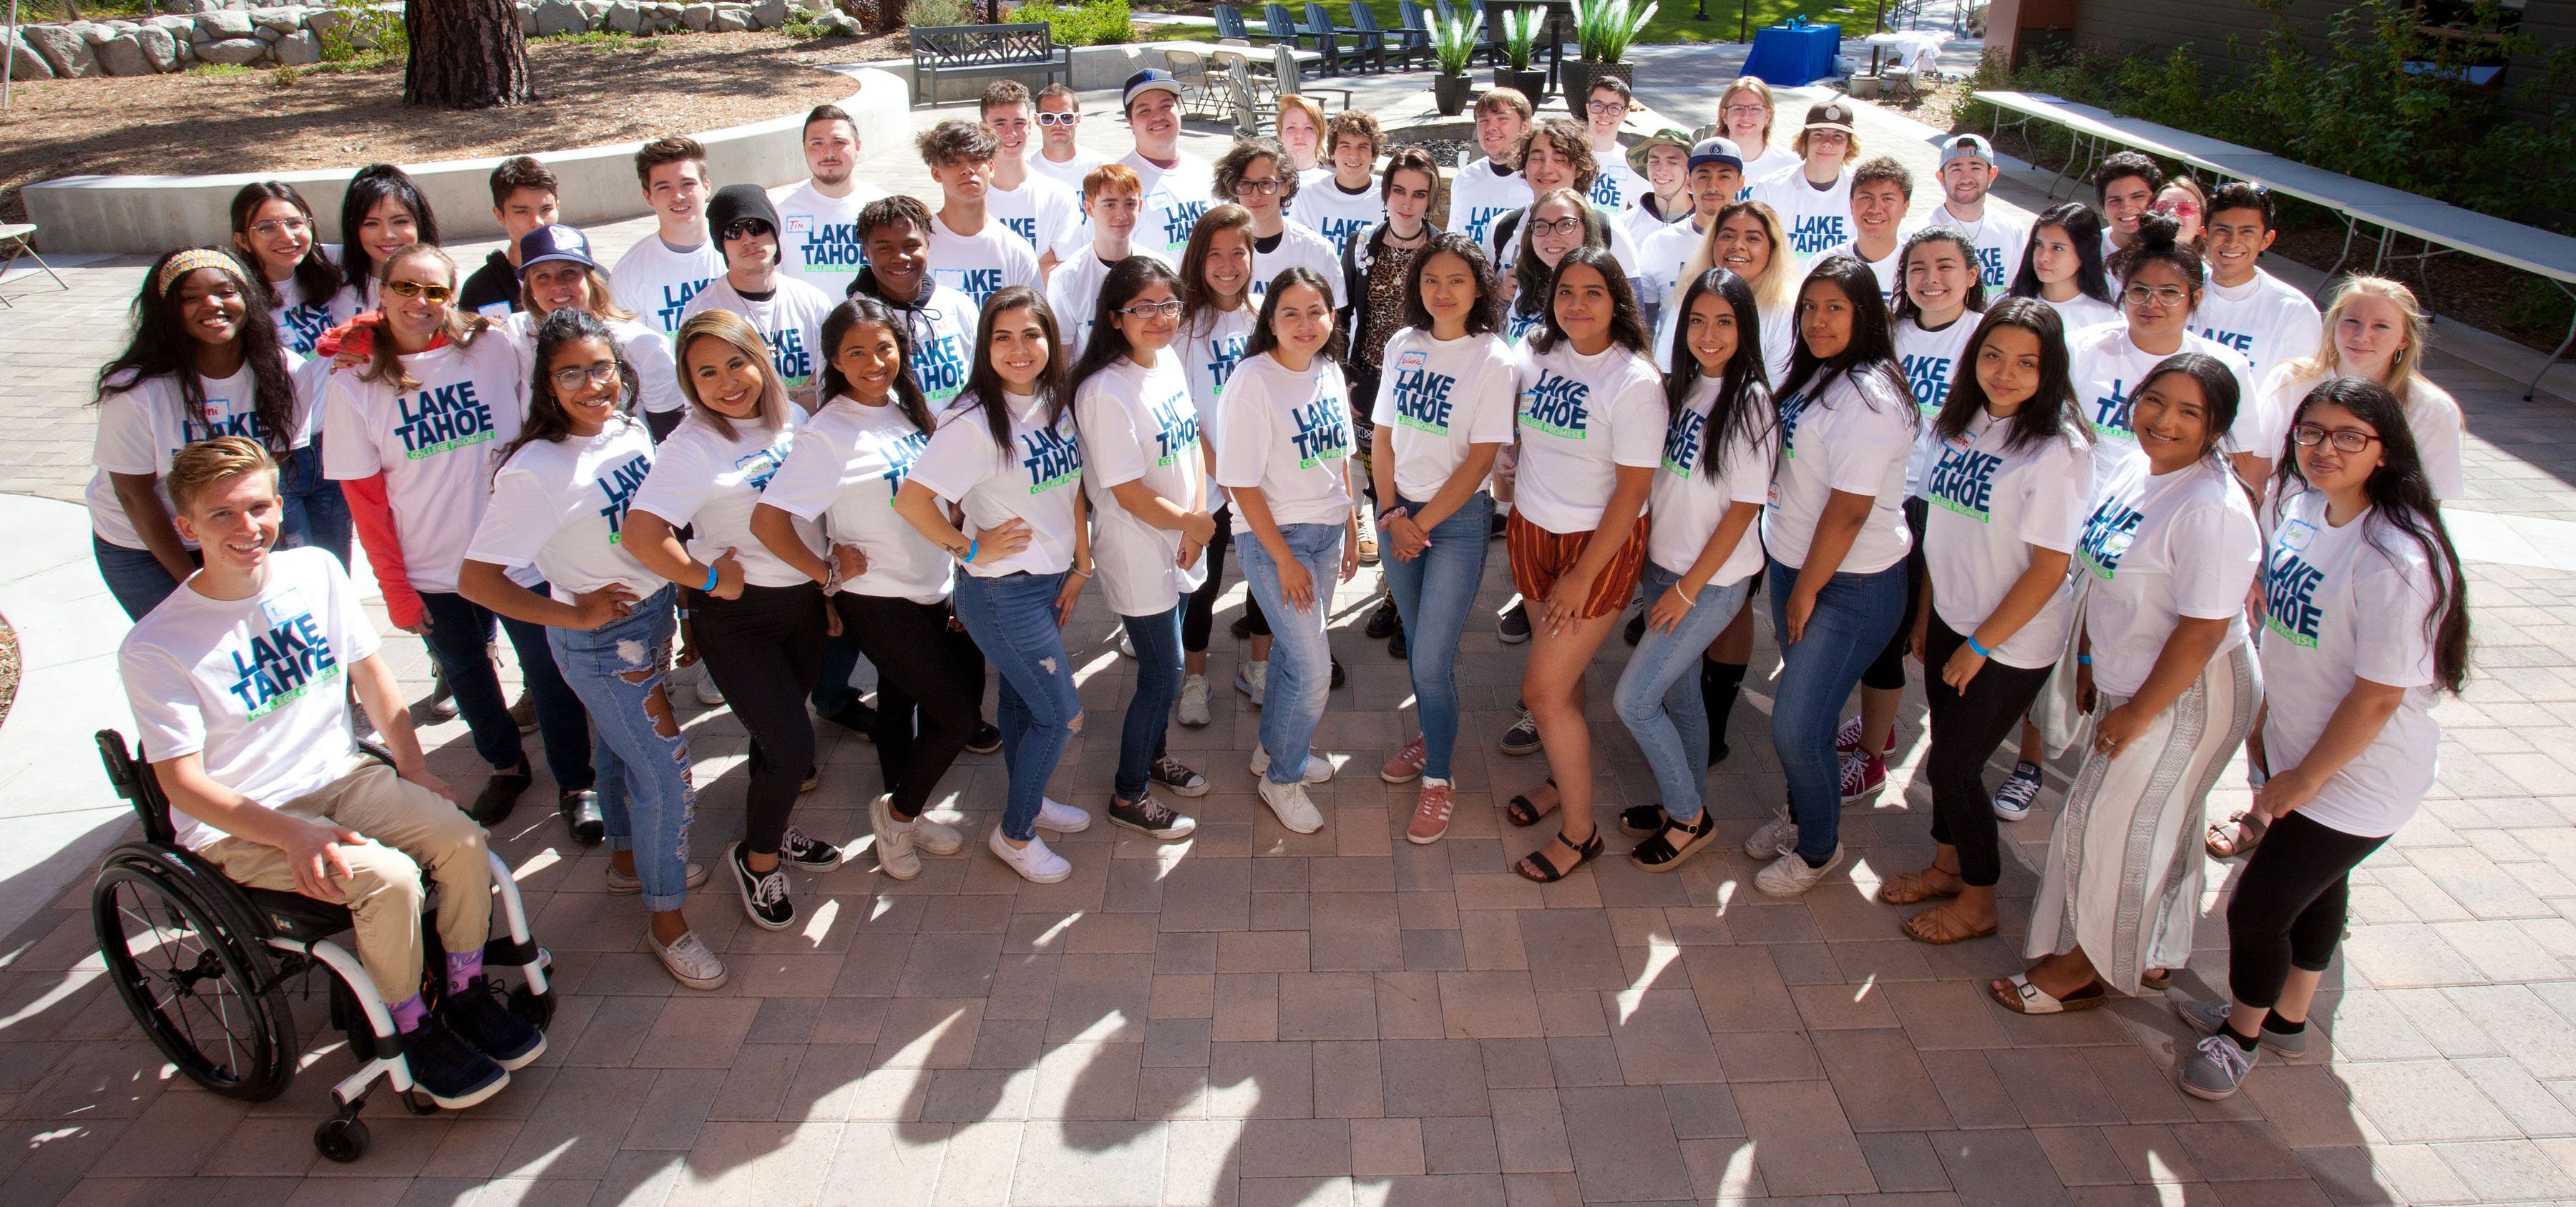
(408, 827)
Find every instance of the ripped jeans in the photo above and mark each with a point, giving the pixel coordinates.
(1013, 618)
(646, 796)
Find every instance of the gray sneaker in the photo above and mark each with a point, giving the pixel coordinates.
(2210, 1018)
(2217, 1069)
(1776, 838)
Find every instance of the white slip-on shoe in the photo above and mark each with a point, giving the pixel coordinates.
(894, 842)
(1062, 818)
(931, 836)
(1034, 862)
(1290, 804)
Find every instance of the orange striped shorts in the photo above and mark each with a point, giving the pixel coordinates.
(1540, 557)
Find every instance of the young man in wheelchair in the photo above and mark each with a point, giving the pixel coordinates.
(240, 686)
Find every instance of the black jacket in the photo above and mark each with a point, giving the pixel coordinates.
(496, 283)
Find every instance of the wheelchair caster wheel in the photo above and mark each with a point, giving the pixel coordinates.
(342, 1140)
(538, 1011)
(417, 1103)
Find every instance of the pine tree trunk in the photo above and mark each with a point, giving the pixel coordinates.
(465, 54)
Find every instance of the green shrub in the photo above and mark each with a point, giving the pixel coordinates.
(940, 12)
(372, 37)
(1091, 23)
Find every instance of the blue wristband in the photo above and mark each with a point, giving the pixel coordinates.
(1982, 651)
(971, 547)
(711, 579)
(2084, 660)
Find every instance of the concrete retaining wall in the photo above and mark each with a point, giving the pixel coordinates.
(148, 215)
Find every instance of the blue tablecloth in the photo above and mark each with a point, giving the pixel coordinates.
(1789, 56)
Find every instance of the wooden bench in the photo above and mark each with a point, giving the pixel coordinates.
(974, 50)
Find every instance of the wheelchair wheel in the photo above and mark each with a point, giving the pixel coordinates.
(209, 1002)
(538, 1011)
(341, 1139)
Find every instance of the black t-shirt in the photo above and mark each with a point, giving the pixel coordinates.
(494, 284)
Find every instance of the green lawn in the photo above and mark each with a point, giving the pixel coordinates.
(1673, 21)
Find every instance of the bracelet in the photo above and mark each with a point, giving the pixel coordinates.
(1688, 600)
(2084, 660)
(709, 589)
(971, 547)
(1979, 646)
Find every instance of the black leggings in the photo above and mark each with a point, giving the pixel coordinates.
(2289, 905)
(765, 649)
(1967, 727)
(930, 684)
(1200, 616)
(1888, 673)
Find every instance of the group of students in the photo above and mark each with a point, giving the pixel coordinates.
(2069, 500)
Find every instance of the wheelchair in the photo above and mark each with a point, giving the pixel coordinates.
(204, 965)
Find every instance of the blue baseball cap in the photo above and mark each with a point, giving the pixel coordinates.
(1149, 80)
(553, 243)
(1717, 150)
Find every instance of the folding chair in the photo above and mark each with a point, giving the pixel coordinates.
(1259, 85)
(1291, 78)
(13, 240)
(1199, 97)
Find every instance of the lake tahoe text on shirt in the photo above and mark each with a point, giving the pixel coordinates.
(1681, 443)
(2290, 587)
(1322, 432)
(1052, 459)
(2111, 415)
(828, 245)
(2108, 533)
(1930, 377)
(941, 366)
(1422, 396)
(1557, 405)
(1964, 481)
(675, 298)
(441, 418)
(1816, 232)
(620, 485)
(282, 665)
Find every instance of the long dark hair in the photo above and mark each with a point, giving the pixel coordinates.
(1905, 307)
(984, 386)
(1872, 349)
(1627, 326)
(2218, 393)
(1108, 345)
(162, 347)
(2048, 413)
(1534, 281)
(316, 278)
(1485, 315)
(2159, 241)
(907, 388)
(1744, 397)
(374, 183)
(2083, 228)
(1265, 332)
(2401, 496)
(546, 419)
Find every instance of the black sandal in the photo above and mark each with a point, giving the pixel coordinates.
(1643, 821)
(1666, 848)
(1521, 812)
(1583, 853)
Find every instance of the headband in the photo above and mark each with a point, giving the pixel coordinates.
(188, 261)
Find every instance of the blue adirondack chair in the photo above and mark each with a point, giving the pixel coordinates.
(1404, 44)
(1371, 42)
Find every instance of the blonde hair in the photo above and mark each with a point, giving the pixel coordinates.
(1314, 113)
(737, 333)
(2328, 362)
(1754, 85)
(210, 463)
(602, 305)
(460, 327)
(1777, 285)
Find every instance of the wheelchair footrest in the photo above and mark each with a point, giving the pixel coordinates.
(506, 952)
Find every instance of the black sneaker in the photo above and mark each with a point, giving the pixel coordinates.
(1177, 776)
(1515, 626)
(1383, 622)
(857, 717)
(1337, 672)
(1636, 631)
(807, 853)
(764, 894)
(501, 792)
(987, 739)
(447, 1069)
(1522, 738)
(580, 811)
(1149, 816)
(482, 1017)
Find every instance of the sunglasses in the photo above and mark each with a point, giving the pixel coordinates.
(746, 228)
(1058, 119)
(435, 295)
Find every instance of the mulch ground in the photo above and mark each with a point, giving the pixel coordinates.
(589, 94)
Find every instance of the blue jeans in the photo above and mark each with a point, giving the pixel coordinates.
(317, 513)
(1434, 593)
(1855, 615)
(616, 669)
(1658, 695)
(1013, 619)
(1158, 684)
(1301, 660)
(459, 632)
(134, 576)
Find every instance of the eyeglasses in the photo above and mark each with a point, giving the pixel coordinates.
(1562, 226)
(2178, 209)
(1267, 188)
(1607, 106)
(435, 295)
(745, 228)
(274, 227)
(1058, 119)
(2149, 295)
(1746, 110)
(569, 379)
(2346, 440)
(1147, 310)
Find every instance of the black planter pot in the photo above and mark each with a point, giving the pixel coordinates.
(1531, 84)
(1578, 81)
(1453, 92)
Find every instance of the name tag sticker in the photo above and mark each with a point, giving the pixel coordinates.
(284, 606)
(1413, 361)
(800, 224)
(2296, 535)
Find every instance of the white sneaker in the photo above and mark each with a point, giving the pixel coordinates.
(1289, 803)
(622, 885)
(1776, 838)
(1034, 862)
(708, 693)
(1318, 768)
(895, 856)
(1253, 680)
(689, 961)
(931, 837)
(1062, 818)
(1126, 643)
(1193, 709)
(1789, 875)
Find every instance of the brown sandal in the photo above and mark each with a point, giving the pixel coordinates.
(1525, 813)
(1951, 931)
(1912, 883)
(2239, 835)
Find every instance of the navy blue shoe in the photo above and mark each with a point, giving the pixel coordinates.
(481, 1016)
(448, 1069)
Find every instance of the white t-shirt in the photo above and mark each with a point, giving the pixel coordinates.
(1771, 162)
(1615, 185)
(790, 321)
(299, 322)
(434, 444)
(2263, 321)
(1139, 425)
(2082, 313)
(1644, 224)
(1073, 292)
(2162, 547)
(1812, 219)
(1856, 434)
(2345, 604)
(979, 264)
(1436, 398)
(1990, 504)
(1070, 173)
(849, 461)
(1481, 192)
(2000, 238)
(1661, 257)
(943, 343)
(1209, 357)
(1037, 478)
(2431, 415)
(2108, 368)
(1173, 202)
(1687, 506)
(1930, 362)
(820, 245)
(141, 429)
(657, 282)
(560, 505)
(1298, 246)
(1322, 207)
(1288, 434)
(1042, 212)
(709, 482)
(1581, 418)
(1884, 267)
(648, 351)
(256, 686)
